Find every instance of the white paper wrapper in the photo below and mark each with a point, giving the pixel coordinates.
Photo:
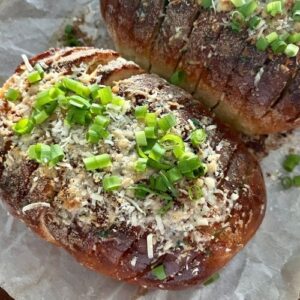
(268, 268)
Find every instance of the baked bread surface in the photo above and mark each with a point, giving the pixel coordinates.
(113, 233)
(255, 92)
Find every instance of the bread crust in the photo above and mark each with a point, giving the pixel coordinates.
(113, 254)
(246, 88)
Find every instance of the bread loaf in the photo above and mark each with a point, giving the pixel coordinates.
(256, 92)
(171, 235)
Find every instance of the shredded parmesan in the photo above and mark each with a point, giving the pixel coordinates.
(27, 63)
(150, 245)
(35, 205)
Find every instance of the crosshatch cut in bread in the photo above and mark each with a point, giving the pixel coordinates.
(220, 52)
(127, 173)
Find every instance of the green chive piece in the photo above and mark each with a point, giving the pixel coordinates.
(79, 102)
(235, 26)
(77, 87)
(296, 181)
(40, 70)
(23, 126)
(40, 117)
(151, 119)
(254, 22)
(296, 15)
(141, 191)
(94, 90)
(34, 77)
(195, 193)
(238, 3)
(140, 112)
(272, 37)
(97, 162)
(174, 175)
(159, 272)
(178, 77)
(274, 8)
(45, 154)
(102, 121)
(12, 95)
(141, 164)
(278, 46)
(105, 95)
(150, 132)
(42, 99)
(294, 38)
(212, 279)
(157, 152)
(262, 44)
(111, 183)
(57, 155)
(167, 122)
(96, 109)
(291, 161)
(117, 101)
(286, 182)
(95, 133)
(248, 9)
(206, 3)
(77, 116)
(189, 164)
(198, 137)
(291, 50)
(140, 138)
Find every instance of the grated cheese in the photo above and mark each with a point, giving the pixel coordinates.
(150, 246)
(27, 63)
(35, 205)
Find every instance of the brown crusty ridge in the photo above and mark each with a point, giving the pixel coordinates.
(111, 248)
(255, 92)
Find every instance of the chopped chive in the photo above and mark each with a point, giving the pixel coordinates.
(42, 99)
(294, 38)
(140, 112)
(95, 133)
(198, 137)
(212, 279)
(278, 46)
(151, 119)
(150, 132)
(111, 183)
(195, 193)
(40, 117)
(105, 95)
(272, 37)
(291, 161)
(286, 182)
(97, 162)
(296, 181)
(274, 8)
(140, 138)
(174, 175)
(76, 87)
(159, 272)
(96, 109)
(248, 9)
(23, 126)
(34, 77)
(141, 164)
(45, 154)
(12, 95)
(94, 90)
(118, 101)
(291, 50)
(102, 121)
(254, 22)
(206, 3)
(167, 122)
(178, 77)
(238, 3)
(157, 152)
(296, 15)
(79, 101)
(77, 116)
(189, 164)
(262, 44)
(40, 70)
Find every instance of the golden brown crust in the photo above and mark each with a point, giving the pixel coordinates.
(246, 88)
(112, 251)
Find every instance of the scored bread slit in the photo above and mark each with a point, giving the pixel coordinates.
(173, 36)
(160, 22)
(198, 48)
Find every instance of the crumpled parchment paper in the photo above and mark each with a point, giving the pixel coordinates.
(267, 269)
